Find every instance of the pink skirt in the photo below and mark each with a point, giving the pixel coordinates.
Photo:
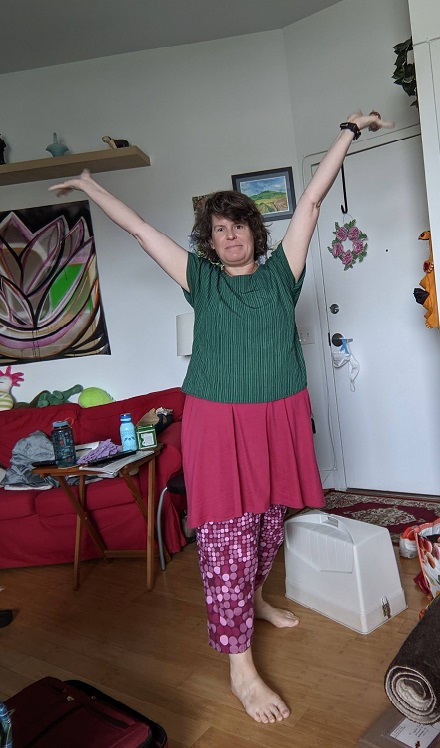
(240, 457)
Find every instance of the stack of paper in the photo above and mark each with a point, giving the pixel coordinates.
(112, 468)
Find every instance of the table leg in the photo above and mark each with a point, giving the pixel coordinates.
(82, 513)
(135, 491)
(77, 556)
(148, 514)
(139, 501)
(150, 528)
(78, 535)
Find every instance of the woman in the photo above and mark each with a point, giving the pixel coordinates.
(246, 436)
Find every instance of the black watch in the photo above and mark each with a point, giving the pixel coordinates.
(353, 127)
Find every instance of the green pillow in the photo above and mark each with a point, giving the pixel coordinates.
(94, 396)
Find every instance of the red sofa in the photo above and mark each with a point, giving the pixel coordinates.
(37, 527)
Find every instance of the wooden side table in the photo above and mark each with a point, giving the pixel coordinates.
(79, 503)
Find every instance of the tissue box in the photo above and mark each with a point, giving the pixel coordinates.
(146, 437)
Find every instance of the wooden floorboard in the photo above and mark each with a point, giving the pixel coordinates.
(149, 650)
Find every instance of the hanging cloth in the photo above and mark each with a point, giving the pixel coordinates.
(344, 357)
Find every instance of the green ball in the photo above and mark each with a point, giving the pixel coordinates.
(94, 396)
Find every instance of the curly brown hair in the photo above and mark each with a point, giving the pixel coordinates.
(235, 206)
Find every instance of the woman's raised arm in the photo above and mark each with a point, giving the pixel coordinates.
(170, 256)
(302, 225)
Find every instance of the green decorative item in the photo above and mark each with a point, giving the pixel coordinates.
(405, 72)
(94, 396)
(57, 396)
(45, 398)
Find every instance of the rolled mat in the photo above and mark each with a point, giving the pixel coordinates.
(412, 681)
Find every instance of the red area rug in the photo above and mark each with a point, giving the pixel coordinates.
(394, 513)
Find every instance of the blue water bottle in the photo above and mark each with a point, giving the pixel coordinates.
(128, 433)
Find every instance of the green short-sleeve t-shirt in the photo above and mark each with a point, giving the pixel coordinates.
(246, 346)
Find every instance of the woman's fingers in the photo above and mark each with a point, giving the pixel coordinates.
(62, 189)
(378, 122)
(387, 123)
(71, 184)
(373, 121)
(78, 183)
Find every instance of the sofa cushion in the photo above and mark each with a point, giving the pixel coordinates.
(99, 494)
(20, 422)
(102, 421)
(14, 504)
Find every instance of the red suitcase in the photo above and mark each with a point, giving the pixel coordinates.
(52, 713)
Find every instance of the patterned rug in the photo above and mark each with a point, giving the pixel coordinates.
(394, 513)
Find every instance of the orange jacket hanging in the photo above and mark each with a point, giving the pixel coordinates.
(428, 284)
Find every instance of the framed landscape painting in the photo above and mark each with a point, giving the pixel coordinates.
(271, 190)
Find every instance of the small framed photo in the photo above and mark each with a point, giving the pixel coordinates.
(271, 190)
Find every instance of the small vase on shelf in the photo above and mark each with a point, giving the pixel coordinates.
(56, 148)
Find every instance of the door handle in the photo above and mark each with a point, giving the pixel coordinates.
(337, 339)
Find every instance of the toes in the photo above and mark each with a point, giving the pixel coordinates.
(273, 713)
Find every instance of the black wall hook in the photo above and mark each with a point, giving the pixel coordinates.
(344, 207)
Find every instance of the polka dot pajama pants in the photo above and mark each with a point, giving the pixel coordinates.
(235, 558)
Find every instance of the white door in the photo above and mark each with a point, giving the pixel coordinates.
(390, 424)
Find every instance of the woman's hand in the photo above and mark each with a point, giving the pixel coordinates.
(83, 182)
(373, 121)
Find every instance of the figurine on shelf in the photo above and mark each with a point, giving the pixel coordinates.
(2, 150)
(115, 143)
(56, 148)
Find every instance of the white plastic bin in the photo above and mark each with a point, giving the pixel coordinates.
(342, 568)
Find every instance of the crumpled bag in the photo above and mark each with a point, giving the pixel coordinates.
(160, 419)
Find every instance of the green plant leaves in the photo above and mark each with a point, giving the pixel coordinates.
(405, 72)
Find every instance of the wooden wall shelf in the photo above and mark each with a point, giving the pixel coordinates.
(71, 165)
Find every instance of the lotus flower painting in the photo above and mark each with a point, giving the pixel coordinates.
(50, 303)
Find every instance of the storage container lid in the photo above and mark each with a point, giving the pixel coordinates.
(59, 424)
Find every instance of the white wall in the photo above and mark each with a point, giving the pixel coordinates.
(201, 112)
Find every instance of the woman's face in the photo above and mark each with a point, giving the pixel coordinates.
(233, 242)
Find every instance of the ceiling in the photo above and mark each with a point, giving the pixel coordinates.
(40, 33)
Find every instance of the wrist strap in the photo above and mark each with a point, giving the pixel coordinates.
(353, 127)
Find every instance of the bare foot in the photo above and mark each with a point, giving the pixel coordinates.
(276, 616)
(260, 702)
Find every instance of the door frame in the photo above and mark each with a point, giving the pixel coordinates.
(310, 163)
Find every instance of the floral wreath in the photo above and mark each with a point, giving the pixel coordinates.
(358, 250)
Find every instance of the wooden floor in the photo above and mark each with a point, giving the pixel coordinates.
(150, 651)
